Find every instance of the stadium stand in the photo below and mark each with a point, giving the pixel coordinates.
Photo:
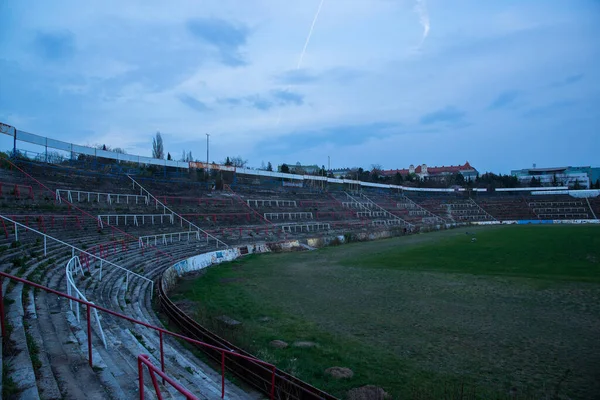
(559, 207)
(506, 208)
(109, 237)
(114, 373)
(456, 208)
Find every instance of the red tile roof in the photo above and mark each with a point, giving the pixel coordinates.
(432, 170)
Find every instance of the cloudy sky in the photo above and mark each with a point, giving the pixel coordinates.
(502, 84)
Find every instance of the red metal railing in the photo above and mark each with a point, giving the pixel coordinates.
(161, 332)
(145, 360)
(17, 191)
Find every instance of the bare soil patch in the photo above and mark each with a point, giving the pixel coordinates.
(278, 344)
(368, 392)
(339, 372)
(304, 344)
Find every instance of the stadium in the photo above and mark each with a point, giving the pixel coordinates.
(125, 276)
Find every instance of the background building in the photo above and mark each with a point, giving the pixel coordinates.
(343, 172)
(423, 171)
(582, 177)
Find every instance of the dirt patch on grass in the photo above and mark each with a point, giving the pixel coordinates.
(278, 344)
(339, 372)
(368, 392)
(304, 344)
(228, 321)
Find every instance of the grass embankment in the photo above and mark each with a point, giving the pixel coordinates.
(516, 311)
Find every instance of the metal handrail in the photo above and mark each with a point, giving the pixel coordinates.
(97, 195)
(163, 237)
(173, 212)
(71, 286)
(74, 248)
(161, 331)
(143, 359)
(134, 217)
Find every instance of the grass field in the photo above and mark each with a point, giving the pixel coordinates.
(516, 312)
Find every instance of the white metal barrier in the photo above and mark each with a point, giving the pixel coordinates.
(81, 195)
(356, 204)
(293, 215)
(73, 266)
(135, 218)
(271, 203)
(166, 238)
(387, 222)
(309, 227)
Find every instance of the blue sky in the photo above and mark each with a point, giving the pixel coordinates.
(502, 84)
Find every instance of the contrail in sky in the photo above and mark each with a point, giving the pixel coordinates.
(421, 9)
(312, 26)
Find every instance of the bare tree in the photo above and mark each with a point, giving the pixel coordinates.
(376, 172)
(158, 150)
(235, 162)
(108, 148)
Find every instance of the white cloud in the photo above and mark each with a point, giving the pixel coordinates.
(421, 9)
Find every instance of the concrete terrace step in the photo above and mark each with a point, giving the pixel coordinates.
(22, 372)
(179, 365)
(76, 348)
(113, 286)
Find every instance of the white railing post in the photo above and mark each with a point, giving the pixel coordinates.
(45, 253)
(16, 233)
(69, 293)
(99, 326)
(77, 305)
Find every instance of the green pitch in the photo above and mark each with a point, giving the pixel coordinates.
(501, 311)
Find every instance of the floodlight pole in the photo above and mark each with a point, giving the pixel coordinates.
(207, 142)
(207, 136)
